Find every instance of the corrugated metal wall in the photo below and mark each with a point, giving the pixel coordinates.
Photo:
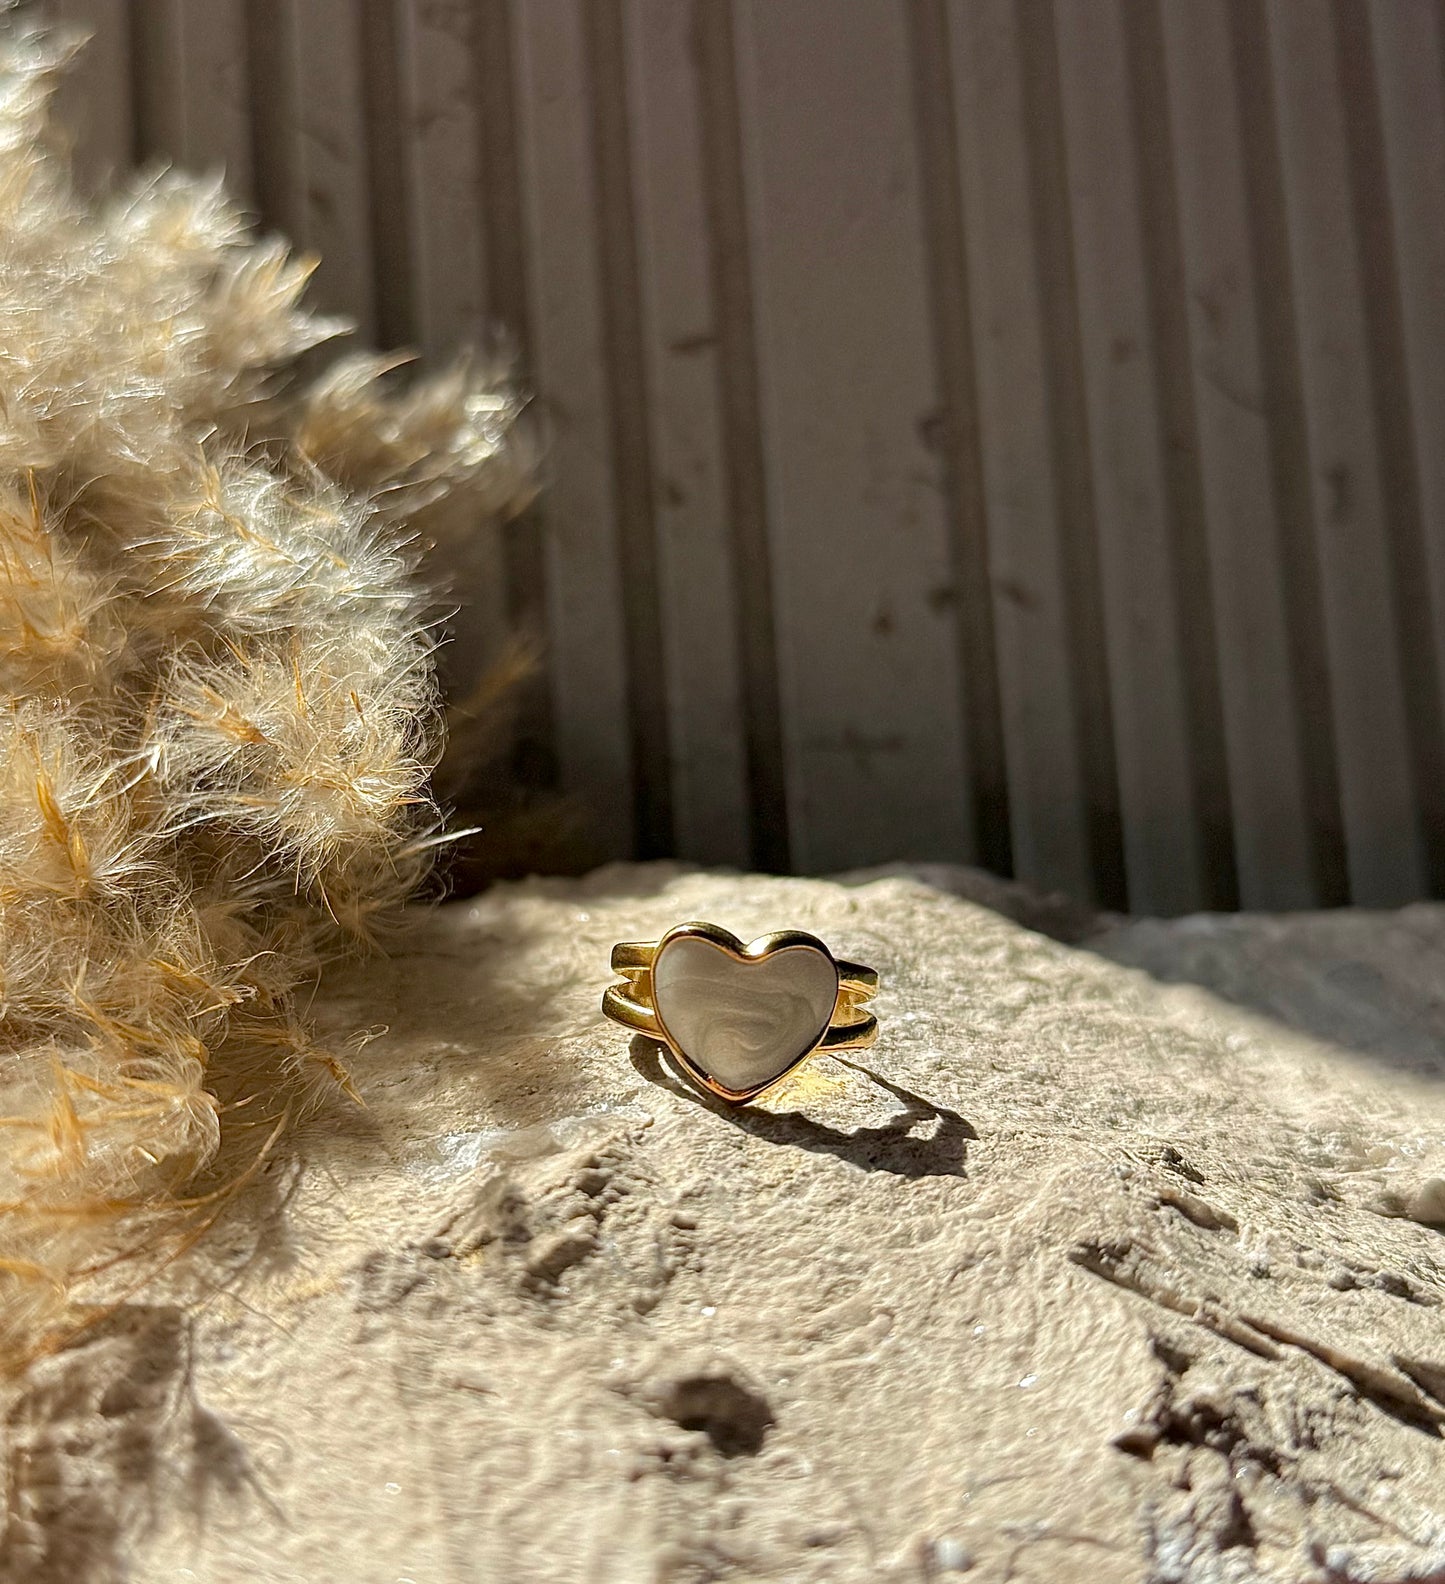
(999, 430)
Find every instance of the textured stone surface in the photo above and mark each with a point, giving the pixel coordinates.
(1077, 1274)
(742, 1022)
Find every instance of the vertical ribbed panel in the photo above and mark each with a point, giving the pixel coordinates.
(865, 597)
(997, 294)
(998, 430)
(1216, 312)
(678, 340)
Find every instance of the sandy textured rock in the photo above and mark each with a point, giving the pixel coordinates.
(1077, 1274)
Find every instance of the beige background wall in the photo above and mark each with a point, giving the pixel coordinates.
(999, 430)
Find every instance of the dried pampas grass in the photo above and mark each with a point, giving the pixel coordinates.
(220, 712)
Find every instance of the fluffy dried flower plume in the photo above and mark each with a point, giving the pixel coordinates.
(219, 714)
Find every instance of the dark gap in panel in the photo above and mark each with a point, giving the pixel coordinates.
(737, 362)
(534, 754)
(1069, 445)
(271, 83)
(942, 208)
(387, 124)
(1394, 433)
(499, 163)
(151, 125)
(625, 367)
(1289, 450)
(1183, 483)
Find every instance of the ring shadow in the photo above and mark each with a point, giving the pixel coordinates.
(891, 1147)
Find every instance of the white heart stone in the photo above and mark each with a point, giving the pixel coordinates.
(743, 1022)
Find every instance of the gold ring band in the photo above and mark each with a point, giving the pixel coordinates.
(739, 1018)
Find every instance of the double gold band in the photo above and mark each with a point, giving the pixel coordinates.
(630, 1003)
(736, 1039)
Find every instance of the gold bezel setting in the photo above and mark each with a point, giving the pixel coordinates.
(632, 1003)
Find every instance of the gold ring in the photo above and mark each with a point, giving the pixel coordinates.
(738, 1019)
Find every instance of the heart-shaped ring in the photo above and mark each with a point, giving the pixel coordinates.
(738, 1019)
